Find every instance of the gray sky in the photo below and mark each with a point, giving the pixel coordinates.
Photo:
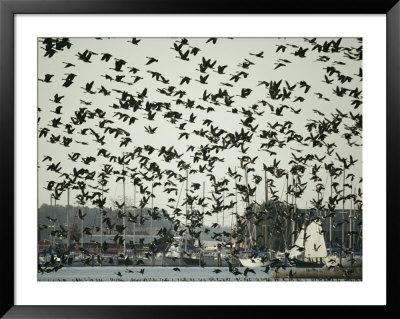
(230, 52)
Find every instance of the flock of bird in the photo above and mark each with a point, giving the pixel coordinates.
(100, 139)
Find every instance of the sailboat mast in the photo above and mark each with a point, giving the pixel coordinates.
(82, 227)
(204, 190)
(101, 225)
(180, 240)
(186, 209)
(202, 211)
(304, 242)
(152, 192)
(236, 195)
(69, 231)
(55, 207)
(248, 203)
(344, 178)
(231, 220)
(55, 219)
(134, 212)
(247, 186)
(53, 216)
(253, 230)
(67, 208)
(55, 213)
(123, 207)
(293, 208)
(152, 207)
(266, 186)
(265, 208)
(330, 220)
(287, 209)
(236, 209)
(223, 215)
(350, 218)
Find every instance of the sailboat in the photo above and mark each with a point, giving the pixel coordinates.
(309, 248)
(250, 258)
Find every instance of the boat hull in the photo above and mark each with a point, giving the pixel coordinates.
(307, 264)
(253, 263)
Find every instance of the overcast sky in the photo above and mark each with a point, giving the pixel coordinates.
(230, 52)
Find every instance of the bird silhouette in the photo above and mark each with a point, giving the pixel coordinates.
(239, 117)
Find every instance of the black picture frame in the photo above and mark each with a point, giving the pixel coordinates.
(8, 10)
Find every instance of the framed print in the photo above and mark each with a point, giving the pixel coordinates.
(197, 155)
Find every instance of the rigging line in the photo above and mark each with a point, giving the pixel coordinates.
(179, 197)
(326, 181)
(94, 221)
(73, 221)
(283, 189)
(275, 219)
(115, 188)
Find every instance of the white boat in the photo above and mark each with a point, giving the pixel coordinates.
(252, 262)
(262, 259)
(309, 249)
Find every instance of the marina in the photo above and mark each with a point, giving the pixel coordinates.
(155, 244)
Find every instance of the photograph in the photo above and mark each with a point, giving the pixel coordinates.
(199, 159)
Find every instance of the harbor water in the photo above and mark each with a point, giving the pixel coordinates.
(130, 273)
